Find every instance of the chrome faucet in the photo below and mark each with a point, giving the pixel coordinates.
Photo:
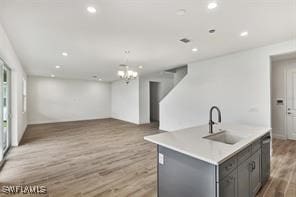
(211, 122)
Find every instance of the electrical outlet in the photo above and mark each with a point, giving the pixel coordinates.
(160, 158)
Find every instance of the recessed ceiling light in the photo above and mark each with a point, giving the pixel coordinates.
(194, 49)
(91, 9)
(212, 5)
(244, 33)
(100, 79)
(140, 67)
(52, 75)
(58, 66)
(65, 54)
(181, 12)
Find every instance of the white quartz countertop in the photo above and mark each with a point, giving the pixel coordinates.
(191, 141)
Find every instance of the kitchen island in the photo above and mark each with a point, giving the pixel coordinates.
(232, 161)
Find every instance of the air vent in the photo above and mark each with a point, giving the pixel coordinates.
(185, 40)
(211, 31)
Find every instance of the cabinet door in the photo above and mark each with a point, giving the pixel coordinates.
(256, 172)
(265, 163)
(243, 177)
(228, 186)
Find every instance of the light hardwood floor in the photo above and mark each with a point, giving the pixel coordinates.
(282, 182)
(110, 158)
(87, 158)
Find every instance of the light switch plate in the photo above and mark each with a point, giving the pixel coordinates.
(160, 158)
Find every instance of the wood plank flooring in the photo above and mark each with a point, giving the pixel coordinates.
(88, 158)
(282, 182)
(110, 158)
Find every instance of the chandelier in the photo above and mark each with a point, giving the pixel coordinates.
(125, 73)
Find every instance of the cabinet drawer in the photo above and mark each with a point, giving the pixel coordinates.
(244, 154)
(226, 167)
(256, 145)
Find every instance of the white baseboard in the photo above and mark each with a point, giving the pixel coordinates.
(126, 120)
(279, 136)
(64, 120)
(292, 137)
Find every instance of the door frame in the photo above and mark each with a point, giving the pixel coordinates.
(287, 67)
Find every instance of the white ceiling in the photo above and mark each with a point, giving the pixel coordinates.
(41, 30)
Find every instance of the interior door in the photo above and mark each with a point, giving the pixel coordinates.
(291, 103)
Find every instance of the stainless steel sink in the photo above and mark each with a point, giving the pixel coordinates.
(225, 137)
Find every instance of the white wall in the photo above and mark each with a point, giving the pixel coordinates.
(58, 100)
(19, 119)
(166, 81)
(125, 101)
(238, 83)
(278, 78)
(278, 91)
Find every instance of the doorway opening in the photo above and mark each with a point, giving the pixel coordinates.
(154, 101)
(283, 96)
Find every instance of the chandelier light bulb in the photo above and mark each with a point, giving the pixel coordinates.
(120, 73)
(130, 73)
(135, 74)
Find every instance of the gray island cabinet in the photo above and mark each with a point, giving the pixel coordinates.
(180, 175)
(231, 161)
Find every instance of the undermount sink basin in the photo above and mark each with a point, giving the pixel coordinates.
(225, 137)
